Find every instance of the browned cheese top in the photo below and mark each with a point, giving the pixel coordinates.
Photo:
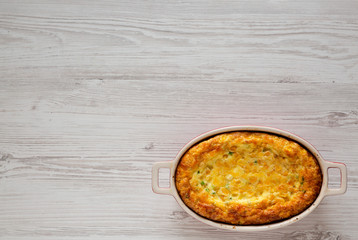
(248, 178)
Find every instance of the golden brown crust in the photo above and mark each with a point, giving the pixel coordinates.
(248, 178)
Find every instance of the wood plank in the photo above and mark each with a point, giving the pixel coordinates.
(91, 95)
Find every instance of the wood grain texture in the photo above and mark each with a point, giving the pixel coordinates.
(92, 94)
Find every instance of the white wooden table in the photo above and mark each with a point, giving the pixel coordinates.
(92, 93)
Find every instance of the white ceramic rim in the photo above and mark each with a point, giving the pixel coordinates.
(324, 165)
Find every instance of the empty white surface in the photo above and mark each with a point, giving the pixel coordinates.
(93, 93)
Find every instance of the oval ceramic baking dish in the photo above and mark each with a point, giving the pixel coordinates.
(324, 166)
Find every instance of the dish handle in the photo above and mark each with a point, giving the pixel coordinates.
(343, 169)
(155, 178)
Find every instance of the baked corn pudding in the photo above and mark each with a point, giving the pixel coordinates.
(248, 178)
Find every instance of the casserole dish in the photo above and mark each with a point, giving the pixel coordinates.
(323, 165)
